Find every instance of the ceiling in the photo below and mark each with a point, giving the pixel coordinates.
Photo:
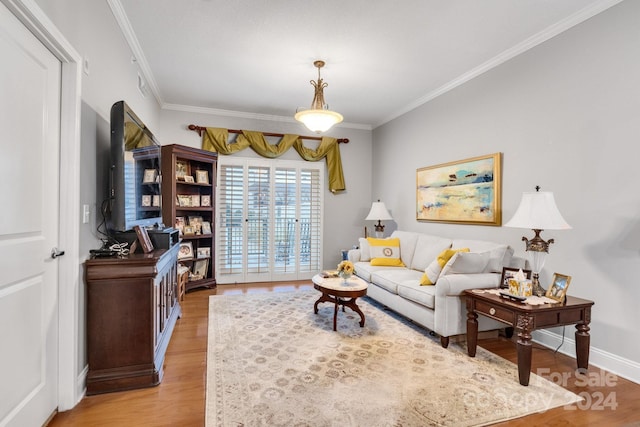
(254, 58)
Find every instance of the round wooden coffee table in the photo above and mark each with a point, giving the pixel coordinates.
(334, 290)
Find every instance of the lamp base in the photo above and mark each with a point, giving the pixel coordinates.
(537, 290)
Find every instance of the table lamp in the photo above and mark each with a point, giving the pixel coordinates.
(378, 213)
(537, 211)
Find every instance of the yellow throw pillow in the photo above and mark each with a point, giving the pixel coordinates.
(385, 252)
(433, 270)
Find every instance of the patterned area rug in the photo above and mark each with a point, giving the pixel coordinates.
(273, 362)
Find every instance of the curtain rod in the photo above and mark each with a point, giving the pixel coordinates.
(199, 129)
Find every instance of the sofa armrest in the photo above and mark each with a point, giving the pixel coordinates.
(456, 284)
(354, 255)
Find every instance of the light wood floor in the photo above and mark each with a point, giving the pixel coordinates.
(179, 399)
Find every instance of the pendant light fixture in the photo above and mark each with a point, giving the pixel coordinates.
(318, 118)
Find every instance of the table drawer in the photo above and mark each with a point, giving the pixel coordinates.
(495, 311)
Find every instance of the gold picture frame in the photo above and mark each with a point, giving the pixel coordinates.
(466, 191)
(558, 288)
(202, 176)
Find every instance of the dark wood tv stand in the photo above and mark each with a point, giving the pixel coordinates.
(132, 308)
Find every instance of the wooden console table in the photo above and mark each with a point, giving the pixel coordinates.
(525, 319)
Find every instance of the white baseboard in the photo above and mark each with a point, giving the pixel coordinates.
(81, 384)
(610, 362)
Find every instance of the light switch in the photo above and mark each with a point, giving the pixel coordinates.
(86, 214)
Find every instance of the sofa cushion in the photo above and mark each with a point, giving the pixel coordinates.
(466, 263)
(385, 252)
(500, 254)
(365, 254)
(407, 245)
(427, 249)
(413, 291)
(390, 278)
(433, 270)
(364, 270)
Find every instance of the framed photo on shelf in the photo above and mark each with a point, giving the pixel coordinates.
(188, 178)
(200, 268)
(186, 251)
(202, 177)
(150, 176)
(146, 200)
(184, 200)
(195, 200)
(510, 273)
(559, 285)
(144, 239)
(182, 169)
(205, 200)
(156, 200)
(206, 227)
(180, 224)
(188, 230)
(196, 223)
(204, 252)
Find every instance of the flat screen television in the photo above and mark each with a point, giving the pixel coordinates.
(135, 189)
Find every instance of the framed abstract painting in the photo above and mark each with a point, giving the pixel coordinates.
(464, 192)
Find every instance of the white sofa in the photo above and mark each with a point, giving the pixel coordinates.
(437, 307)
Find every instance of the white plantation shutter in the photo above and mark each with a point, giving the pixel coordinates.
(270, 225)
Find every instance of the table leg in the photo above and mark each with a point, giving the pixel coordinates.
(472, 332)
(335, 313)
(353, 306)
(582, 345)
(524, 325)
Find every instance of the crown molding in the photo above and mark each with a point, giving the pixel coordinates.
(252, 116)
(529, 43)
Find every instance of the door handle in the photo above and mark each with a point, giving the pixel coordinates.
(55, 253)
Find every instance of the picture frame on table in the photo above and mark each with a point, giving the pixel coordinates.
(510, 273)
(202, 176)
(462, 192)
(185, 251)
(559, 285)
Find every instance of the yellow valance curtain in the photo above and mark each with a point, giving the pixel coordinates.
(216, 139)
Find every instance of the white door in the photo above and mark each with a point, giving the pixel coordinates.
(30, 88)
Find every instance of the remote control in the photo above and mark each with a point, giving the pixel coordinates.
(512, 297)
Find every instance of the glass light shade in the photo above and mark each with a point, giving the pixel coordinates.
(378, 212)
(317, 120)
(538, 211)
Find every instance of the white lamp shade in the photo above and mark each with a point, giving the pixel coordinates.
(538, 211)
(318, 120)
(378, 212)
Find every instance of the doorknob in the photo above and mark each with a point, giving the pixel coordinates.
(55, 253)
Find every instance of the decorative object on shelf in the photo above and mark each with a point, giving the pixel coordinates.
(205, 200)
(150, 176)
(379, 213)
(146, 200)
(559, 285)
(204, 252)
(202, 177)
(465, 191)
(538, 211)
(200, 268)
(186, 251)
(189, 179)
(206, 227)
(156, 200)
(182, 169)
(318, 118)
(184, 200)
(345, 270)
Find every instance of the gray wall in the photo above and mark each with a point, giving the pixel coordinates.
(565, 117)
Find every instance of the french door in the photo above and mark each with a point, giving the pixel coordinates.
(269, 224)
